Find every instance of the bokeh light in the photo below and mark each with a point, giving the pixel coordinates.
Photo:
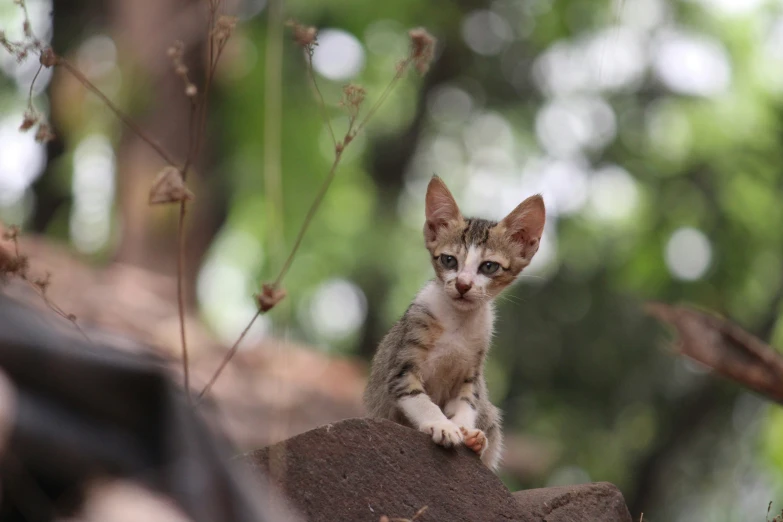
(94, 170)
(339, 55)
(337, 309)
(688, 254)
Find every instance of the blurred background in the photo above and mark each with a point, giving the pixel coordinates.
(653, 128)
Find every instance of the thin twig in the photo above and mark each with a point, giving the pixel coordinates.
(228, 356)
(180, 294)
(309, 218)
(76, 73)
(321, 103)
(305, 225)
(273, 189)
(333, 170)
(32, 84)
(339, 149)
(55, 308)
(195, 142)
(40, 289)
(181, 254)
(213, 6)
(403, 67)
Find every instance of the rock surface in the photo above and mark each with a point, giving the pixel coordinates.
(362, 469)
(598, 501)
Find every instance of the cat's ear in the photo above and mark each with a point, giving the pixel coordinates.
(440, 208)
(525, 224)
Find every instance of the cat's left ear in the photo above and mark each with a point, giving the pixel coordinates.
(525, 224)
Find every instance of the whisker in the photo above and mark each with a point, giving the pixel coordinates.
(511, 298)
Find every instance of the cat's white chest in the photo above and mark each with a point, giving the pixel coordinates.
(459, 344)
(457, 353)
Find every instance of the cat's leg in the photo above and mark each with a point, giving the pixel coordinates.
(486, 438)
(463, 410)
(424, 414)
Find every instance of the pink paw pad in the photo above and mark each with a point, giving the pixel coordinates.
(474, 439)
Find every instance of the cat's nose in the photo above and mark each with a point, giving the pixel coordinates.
(463, 288)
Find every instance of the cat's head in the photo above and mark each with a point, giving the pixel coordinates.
(475, 259)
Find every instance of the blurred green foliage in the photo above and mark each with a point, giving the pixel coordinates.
(654, 129)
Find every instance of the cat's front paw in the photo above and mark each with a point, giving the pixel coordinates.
(445, 433)
(474, 439)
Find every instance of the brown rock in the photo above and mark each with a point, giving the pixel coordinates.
(365, 469)
(362, 469)
(596, 502)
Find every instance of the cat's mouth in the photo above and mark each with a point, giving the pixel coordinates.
(463, 301)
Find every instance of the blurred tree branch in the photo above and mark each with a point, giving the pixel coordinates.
(725, 348)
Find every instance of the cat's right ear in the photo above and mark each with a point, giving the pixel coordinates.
(525, 224)
(440, 208)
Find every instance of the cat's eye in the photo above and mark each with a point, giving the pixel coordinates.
(448, 261)
(488, 267)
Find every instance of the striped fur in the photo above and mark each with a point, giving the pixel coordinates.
(428, 372)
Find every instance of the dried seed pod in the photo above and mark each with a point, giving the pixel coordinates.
(49, 58)
(304, 35)
(269, 297)
(422, 48)
(169, 187)
(29, 121)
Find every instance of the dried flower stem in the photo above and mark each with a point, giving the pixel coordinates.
(195, 142)
(192, 151)
(213, 7)
(309, 218)
(401, 69)
(194, 145)
(218, 32)
(181, 255)
(56, 309)
(76, 73)
(32, 85)
(339, 149)
(321, 103)
(272, 170)
(181, 297)
(40, 286)
(337, 157)
(229, 355)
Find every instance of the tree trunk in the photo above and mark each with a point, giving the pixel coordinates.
(144, 30)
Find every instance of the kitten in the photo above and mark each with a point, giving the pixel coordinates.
(428, 372)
